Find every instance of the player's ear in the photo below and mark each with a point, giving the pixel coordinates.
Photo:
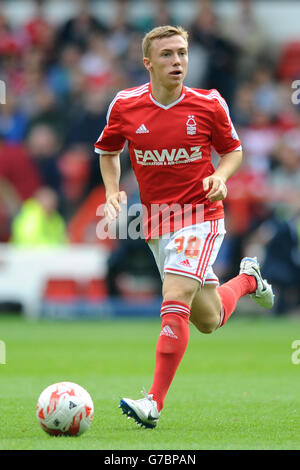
(147, 63)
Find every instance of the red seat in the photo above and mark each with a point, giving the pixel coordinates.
(94, 290)
(289, 62)
(61, 290)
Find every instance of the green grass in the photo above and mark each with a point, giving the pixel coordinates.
(235, 389)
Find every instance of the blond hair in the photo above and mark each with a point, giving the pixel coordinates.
(162, 32)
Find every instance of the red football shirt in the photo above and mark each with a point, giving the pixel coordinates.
(170, 149)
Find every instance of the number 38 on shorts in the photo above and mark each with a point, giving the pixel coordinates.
(190, 246)
(190, 251)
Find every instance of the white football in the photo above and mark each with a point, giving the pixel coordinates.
(65, 408)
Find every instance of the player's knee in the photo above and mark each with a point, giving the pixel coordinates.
(183, 294)
(207, 329)
(206, 326)
(179, 289)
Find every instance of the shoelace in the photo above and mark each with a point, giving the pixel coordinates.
(146, 395)
(153, 402)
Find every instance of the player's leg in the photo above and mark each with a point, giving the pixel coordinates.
(181, 260)
(178, 294)
(179, 288)
(212, 306)
(206, 309)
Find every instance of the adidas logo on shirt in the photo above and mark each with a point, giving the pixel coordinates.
(142, 130)
(167, 331)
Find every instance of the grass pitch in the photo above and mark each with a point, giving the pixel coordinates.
(235, 389)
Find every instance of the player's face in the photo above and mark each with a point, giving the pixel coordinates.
(168, 60)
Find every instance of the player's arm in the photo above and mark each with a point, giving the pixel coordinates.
(109, 145)
(111, 172)
(227, 144)
(216, 183)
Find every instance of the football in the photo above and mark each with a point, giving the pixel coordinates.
(65, 408)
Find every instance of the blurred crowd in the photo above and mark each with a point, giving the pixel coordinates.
(59, 81)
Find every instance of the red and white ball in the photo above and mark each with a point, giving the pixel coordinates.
(65, 408)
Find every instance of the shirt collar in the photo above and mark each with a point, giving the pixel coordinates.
(183, 92)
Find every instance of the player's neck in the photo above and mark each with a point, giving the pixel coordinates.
(165, 96)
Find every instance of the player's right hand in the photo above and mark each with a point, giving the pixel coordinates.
(113, 205)
(217, 187)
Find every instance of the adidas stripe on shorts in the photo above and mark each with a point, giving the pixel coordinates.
(191, 251)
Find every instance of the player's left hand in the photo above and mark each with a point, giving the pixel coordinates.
(217, 187)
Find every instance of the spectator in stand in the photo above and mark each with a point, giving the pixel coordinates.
(77, 30)
(44, 147)
(5, 29)
(48, 111)
(289, 111)
(10, 203)
(265, 90)
(17, 168)
(242, 108)
(18, 181)
(248, 34)
(162, 14)
(278, 233)
(259, 139)
(222, 54)
(284, 179)
(11, 41)
(75, 169)
(39, 32)
(98, 63)
(36, 98)
(126, 36)
(84, 127)
(13, 122)
(133, 69)
(67, 81)
(120, 31)
(281, 239)
(38, 223)
(292, 135)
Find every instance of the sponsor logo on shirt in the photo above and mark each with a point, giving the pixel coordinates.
(168, 157)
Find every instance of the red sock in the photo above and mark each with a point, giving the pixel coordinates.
(170, 348)
(232, 291)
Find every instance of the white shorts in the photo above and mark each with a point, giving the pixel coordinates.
(191, 251)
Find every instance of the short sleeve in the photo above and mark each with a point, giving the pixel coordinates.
(224, 135)
(111, 139)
